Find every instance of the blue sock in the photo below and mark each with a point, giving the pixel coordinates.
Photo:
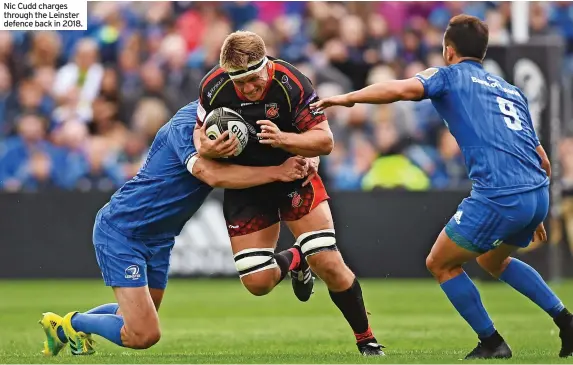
(528, 282)
(465, 297)
(107, 326)
(110, 308)
(61, 334)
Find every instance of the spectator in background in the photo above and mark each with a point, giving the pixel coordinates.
(393, 170)
(102, 172)
(45, 50)
(444, 165)
(206, 56)
(538, 20)
(348, 166)
(10, 56)
(5, 91)
(28, 160)
(498, 33)
(84, 73)
(152, 86)
(149, 116)
(181, 81)
(105, 123)
(29, 98)
(134, 154)
(383, 46)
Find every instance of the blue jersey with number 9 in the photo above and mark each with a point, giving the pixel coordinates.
(491, 122)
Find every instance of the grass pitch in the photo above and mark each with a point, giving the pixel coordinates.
(217, 321)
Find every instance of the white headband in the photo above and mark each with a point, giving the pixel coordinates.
(252, 68)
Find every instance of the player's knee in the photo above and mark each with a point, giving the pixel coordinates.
(257, 269)
(330, 267)
(260, 283)
(493, 267)
(144, 339)
(434, 266)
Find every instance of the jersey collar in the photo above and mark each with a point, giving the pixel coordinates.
(473, 62)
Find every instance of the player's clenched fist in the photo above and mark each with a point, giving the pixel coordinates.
(294, 168)
(270, 134)
(223, 146)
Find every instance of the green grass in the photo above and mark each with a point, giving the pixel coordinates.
(217, 321)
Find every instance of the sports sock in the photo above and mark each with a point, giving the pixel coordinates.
(528, 282)
(287, 260)
(110, 308)
(61, 334)
(465, 297)
(351, 304)
(107, 326)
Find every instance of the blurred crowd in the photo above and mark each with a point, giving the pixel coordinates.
(79, 109)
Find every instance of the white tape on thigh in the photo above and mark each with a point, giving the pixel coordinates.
(314, 242)
(252, 260)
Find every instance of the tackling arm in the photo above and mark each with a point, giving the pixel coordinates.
(228, 176)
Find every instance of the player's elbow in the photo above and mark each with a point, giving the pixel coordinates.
(326, 144)
(207, 174)
(213, 180)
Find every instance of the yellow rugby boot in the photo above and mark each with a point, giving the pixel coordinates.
(80, 342)
(50, 322)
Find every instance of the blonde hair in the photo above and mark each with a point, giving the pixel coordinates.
(240, 49)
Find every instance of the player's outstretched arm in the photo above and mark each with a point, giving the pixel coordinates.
(222, 175)
(317, 141)
(380, 93)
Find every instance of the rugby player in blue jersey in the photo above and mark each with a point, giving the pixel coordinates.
(134, 233)
(509, 201)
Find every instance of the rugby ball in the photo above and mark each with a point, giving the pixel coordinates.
(221, 119)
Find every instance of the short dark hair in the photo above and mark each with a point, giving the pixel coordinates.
(468, 35)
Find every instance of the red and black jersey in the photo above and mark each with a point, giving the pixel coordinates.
(286, 103)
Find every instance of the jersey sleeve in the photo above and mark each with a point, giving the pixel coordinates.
(180, 138)
(302, 95)
(201, 113)
(435, 82)
(305, 118)
(209, 88)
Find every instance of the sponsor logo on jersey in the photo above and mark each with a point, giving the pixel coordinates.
(495, 84)
(272, 110)
(296, 199)
(285, 81)
(426, 74)
(458, 216)
(215, 87)
(251, 129)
